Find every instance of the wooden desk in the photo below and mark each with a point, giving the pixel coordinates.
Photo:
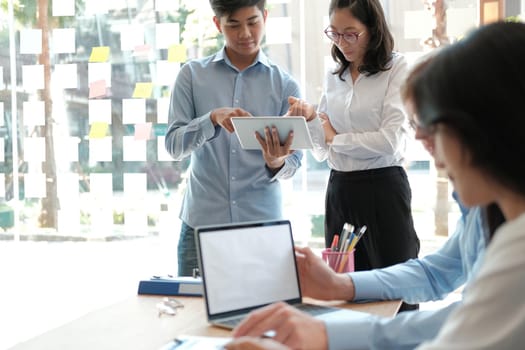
(135, 324)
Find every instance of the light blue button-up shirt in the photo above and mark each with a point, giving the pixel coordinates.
(426, 279)
(227, 183)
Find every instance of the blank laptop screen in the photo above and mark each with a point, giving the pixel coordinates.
(249, 265)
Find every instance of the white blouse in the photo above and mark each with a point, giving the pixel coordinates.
(492, 314)
(368, 116)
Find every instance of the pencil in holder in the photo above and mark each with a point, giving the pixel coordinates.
(339, 261)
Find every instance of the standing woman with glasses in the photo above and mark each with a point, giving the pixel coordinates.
(360, 128)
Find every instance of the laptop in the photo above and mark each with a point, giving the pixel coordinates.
(246, 266)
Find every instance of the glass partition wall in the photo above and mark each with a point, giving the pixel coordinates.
(84, 95)
(85, 92)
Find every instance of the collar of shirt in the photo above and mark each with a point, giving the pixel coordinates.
(261, 58)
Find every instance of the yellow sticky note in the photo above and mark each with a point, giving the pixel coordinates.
(98, 130)
(177, 53)
(99, 54)
(143, 90)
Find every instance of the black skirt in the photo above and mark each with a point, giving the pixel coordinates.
(381, 200)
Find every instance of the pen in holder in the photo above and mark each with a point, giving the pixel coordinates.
(339, 261)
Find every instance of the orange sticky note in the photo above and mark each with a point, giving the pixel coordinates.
(98, 130)
(99, 54)
(177, 53)
(143, 90)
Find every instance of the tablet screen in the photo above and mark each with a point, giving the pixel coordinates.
(245, 128)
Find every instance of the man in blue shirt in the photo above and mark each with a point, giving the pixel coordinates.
(226, 183)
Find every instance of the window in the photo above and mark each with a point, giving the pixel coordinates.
(84, 94)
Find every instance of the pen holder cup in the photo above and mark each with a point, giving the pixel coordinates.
(339, 261)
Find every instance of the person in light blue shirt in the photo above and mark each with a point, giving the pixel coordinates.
(415, 281)
(226, 183)
(418, 280)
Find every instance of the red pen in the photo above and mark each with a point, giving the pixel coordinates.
(335, 242)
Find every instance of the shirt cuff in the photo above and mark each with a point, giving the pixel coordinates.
(282, 173)
(208, 129)
(364, 282)
(349, 332)
(316, 131)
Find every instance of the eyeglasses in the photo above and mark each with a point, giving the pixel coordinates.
(417, 127)
(414, 125)
(350, 38)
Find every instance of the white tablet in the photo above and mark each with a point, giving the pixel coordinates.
(245, 128)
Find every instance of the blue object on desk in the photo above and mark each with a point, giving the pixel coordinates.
(184, 286)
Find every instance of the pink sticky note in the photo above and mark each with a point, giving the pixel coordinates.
(97, 89)
(142, 50)
(143, 131)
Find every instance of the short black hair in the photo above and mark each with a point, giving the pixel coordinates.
(378, 54)
(227, 7)
(476, 88)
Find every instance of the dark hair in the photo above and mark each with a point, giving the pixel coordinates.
(378, 54)
(492, 218)
(476, 88)
(227, 7)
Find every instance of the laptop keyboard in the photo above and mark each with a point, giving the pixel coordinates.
(311, 309)
(315, 310)
(232, 322)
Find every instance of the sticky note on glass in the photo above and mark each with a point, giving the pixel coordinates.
(100, 150)
(63, 8)
(279, 30)
(35, 149)
(143, 90)
(65, 76)
(31, 41)
(98, 130)
(162, 153)
(34, 113)
(177, 53)
(163, 108)
(101, 185)
(166, 35)
(33, 77)
(1, 114)
(93, 7)
(64, 40)
(2, 184)
(99, 54)
(166, 72)
(99, 71)
(166, 5)
(142, 50)
(35, 185)
(99, 111)
(131, 36)
(133, 110)
(142, 131)
(133, 150)
(97, 89)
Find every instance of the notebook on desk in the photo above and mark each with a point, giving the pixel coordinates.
(246, 266)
